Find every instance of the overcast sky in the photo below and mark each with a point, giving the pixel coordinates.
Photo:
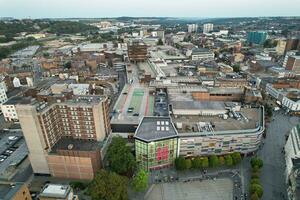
(147, 8)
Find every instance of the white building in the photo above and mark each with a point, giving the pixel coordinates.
(192, 28)
(80, 89)
(9, 112)
(202, 54)
(16, 82)
(208, 28)
(3, 97)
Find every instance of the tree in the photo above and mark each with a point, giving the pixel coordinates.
(180, 163)
(188, 163)
(236, 158)
(255, 181)
(221, 160)
(68, 65)
(205, 163)
(160, 42)
(256, 188)
(108, 186)
(197, 163)
(254, 197)
(228, 160)
(77, 185)
(140, 181)
(236, 68)
(213, 161)
(256, 162)
(119, 157)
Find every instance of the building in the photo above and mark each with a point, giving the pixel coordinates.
(292, 158)
(256, 37)
(65, 138)
(192, 28)
(3, 97)
(137, 51)
(14, 191)
(292, 44)
(287, 55)
(57, 192)
(280, 48)
(9, 107)
(293, 63)
(208, 28)
(156, 143)
(202, 54)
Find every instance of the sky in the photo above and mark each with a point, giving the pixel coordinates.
(147, 8)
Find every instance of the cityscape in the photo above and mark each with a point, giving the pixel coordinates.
(141, 105)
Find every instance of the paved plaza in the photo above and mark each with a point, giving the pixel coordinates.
(219, 189)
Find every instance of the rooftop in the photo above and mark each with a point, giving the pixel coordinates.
(155, 128)
(67, 143)
(7, 190)
(55, 191)
(17, 100)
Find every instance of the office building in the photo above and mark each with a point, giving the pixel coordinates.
(287, 55)
(65, 137)
(292, 44)
(192, 28)
(199, 54)
(280, 48)
(57, 192)
(137, 51)
(208, 28)
(256, 37)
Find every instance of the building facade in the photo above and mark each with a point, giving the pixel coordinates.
(208, 28)
(256, 37)
(64, 138)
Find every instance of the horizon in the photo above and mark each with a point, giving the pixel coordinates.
(34, 9)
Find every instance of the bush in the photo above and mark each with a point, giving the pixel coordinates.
(256, 188)
(255, 181)
(188, 164)
(254, 175)
(255, 169)
(213, 161)
(256, 162)
(180, 163)
(77, 185)
(236, 158)
(205, 163)
(221, 160)
(197, 163)
(228, 160)
(254, 197)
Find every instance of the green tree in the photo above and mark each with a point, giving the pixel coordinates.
(68, 65)
(140, 181)
(160, 42)
(188, 163)
(256, 162)
(119, 157)
(236, 68)
(205, 163)
(254, 196)
(236, 158)
(197, 163)
(108, 186)
(77, 185)
(213, 161)
(221, 160)
(228, 160)
(256, 188)
(255, 181)
(180, 163)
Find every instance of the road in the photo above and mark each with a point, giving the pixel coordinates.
(272, 174)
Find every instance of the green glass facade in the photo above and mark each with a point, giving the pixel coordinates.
(156, 154)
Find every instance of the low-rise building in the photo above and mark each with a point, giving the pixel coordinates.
(57, 192)
(14, 191)
(198, 54)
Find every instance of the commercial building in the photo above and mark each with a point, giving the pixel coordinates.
(292, 158)
(65, 138)
(137, 51)
(256, 37)
(208, 28)
(57, 192)
(156, 143)
(199, 54)
(14, 191)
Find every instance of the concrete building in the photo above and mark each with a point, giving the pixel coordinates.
(57, 192)
(14, 191)
(9, 108)
(293, 63)
(192, 28)
(280, 48)
(292, 158)
(208, 28)
(65, 138)
(286, 57)
(198, 54)
(292, 44)
(256, 37)
(3, 96)
(137, 51)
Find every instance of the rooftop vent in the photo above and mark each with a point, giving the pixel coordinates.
(70, 146)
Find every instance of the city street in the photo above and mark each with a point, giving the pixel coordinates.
(273, 171)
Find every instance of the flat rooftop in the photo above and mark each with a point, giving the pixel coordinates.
(155, 128)
(196, 124)
(55, 191)
(7, 190)
(66, 143)
(18, 100)
(190, 105)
